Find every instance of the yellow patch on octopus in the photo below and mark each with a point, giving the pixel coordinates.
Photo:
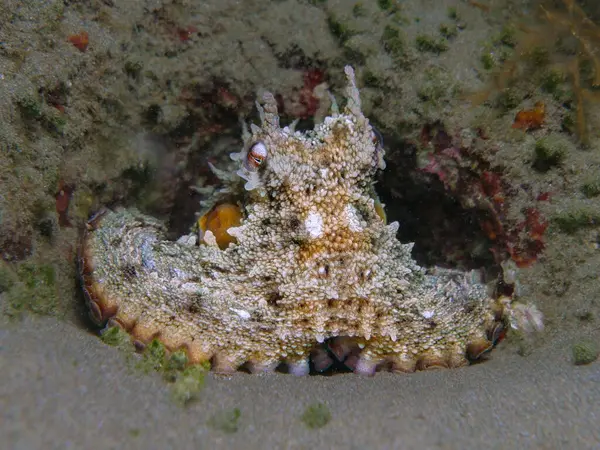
(220, 219)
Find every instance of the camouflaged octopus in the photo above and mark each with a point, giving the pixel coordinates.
(312, 269)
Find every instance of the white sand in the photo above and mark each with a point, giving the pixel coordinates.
(63, 388)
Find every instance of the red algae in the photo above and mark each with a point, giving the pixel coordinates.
(80, 40)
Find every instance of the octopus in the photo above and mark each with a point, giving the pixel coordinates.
(308, 272)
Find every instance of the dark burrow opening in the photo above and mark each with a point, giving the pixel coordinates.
(443, 231)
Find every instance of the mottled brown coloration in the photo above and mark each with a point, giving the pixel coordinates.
(312, 261)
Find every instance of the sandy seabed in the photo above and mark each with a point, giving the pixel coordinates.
(64, 389)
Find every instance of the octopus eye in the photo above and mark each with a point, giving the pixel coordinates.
(378, 144)
(377, 137)
(256, 156)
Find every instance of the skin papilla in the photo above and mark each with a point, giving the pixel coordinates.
(313, 268)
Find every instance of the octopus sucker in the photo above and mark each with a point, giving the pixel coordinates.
(297, 267)
(366, 366)
(432, 360)
(262, 366)
(299, 367)
(146, 330)
(101, 307)
(402, 364)
(478, 348)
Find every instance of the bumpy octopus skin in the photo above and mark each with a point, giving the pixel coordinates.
(313, 262)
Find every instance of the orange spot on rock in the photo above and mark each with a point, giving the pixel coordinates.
(521, 258)
(312, 78)
(226, 98)
(185, 34)
(80, 40)
(218, 220)
(530, 119)
(543, 197)
(535, 223)
(489, 229)
(63, 198)
(481, 6)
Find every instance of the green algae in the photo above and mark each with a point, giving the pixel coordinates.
(508, 99)
(572, 220)
(8, 277)
(81, 203)
(316, 415)
(154, 357)
(227, 421)
(354, 55)
(550, 151)
(427, 43)
(569, 123)
(370, 79)
(551, 82)
(488, 60)
(385, 4)
(584, 352)
(393, 42)
(591, 188)
(452, 13)
(54, 122)
(341, 31)
(189, 383)
(176, 362)
(538, 57)
(30, 107)
(498, 50)
(437, 87)
(448, 31)
(507, 36)
(358, 10)
(186, 381)
(133, 69)
(33, 110)
(116, 337)
(30, 287)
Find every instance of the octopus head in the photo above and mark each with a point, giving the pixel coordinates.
(310, 195)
